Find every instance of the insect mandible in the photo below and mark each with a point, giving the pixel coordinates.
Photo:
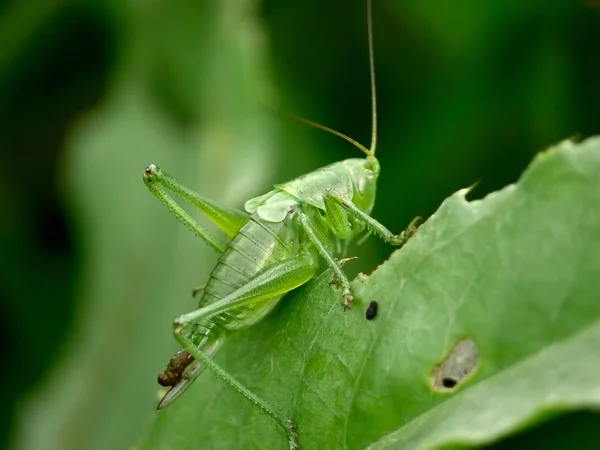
(274, 247)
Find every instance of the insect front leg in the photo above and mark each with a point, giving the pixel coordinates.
(274, 281)
(229, 220)
(372, 224)
(341, 262)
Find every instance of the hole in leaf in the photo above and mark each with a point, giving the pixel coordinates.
(448, 382)
(458, 364)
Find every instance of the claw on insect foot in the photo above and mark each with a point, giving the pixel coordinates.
(412, 228)
(348, 299)
(343, 261)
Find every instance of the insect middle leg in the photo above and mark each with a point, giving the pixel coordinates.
(272, 282)
(341, 278)
(338, 213)
(372, 224)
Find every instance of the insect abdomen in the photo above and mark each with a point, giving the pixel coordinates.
(258, 245)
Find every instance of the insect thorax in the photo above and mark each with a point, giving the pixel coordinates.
(354, 180)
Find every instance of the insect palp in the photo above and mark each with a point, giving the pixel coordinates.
(371, 311)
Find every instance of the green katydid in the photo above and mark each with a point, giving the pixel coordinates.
(274, 247)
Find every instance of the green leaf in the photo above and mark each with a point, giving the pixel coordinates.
(514, 276)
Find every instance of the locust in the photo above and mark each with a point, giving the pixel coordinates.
(273, 247)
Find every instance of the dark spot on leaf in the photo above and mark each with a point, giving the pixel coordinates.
(460, 362)
(371, 310)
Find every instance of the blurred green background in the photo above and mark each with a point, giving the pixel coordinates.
(93, 268)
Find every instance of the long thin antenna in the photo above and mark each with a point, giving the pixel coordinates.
(324, 128)
(372, 75)
(368, 152)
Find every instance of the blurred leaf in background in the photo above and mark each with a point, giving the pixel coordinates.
(182, 90)
(93, 269)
